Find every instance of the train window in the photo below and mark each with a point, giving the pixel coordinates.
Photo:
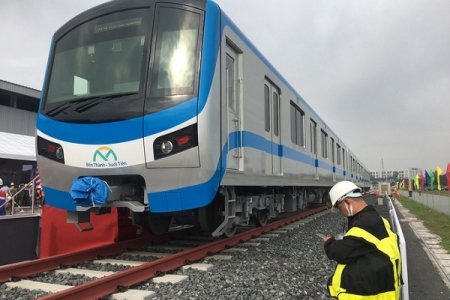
(103, 56)
(332, 150)
(275, 100)
(324, 143)
(297, 125)
(300, 117)
(343, 159)
(313, 134)
(175, 60)
(230, 83)
(293, 125)
(267, 108)
(338, 154)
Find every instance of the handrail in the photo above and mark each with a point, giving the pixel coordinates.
(396, 227)
(29, 184)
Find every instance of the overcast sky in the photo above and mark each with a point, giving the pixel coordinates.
(377, 72)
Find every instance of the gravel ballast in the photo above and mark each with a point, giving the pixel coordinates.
(290, 266)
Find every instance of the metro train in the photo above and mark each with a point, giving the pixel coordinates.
(175, 109)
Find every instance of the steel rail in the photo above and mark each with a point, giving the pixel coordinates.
(15, 271)
(121, 281)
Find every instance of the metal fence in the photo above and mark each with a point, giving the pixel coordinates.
(439, 203)
(396, 227)
(13, 207)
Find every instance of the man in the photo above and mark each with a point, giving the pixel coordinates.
(12, 189)
(4, 187)
(39, 196)
(3, 198)
(368, 256)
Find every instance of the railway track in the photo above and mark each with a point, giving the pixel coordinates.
(149, 258)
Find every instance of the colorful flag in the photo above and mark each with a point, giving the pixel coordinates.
(448, 174)
(422, 181)
(416, 181)
(427, 178)
(438, 174)
(38, 178)
(431, 180)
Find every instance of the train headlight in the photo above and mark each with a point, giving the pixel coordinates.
(59, 153)
(175, 142)
(50, 150)
(166, 147)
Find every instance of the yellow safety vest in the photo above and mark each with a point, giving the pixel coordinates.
(388, 246)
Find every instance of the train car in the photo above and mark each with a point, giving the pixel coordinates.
(173, 107)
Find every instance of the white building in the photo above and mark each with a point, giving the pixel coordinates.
(18, 113)
(405, 173)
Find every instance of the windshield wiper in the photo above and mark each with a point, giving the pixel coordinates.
(98, 100)
(60, 108)
(95, 100)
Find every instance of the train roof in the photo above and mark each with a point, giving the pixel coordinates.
(115, 5)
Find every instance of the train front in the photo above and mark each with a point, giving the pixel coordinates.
(122, 102)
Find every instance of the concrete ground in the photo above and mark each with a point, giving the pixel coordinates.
(428, 265)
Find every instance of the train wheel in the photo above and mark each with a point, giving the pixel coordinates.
(230, 231)
(206, 218)
(262, 216)
(211, 217)
(158, 224)
(208, 221)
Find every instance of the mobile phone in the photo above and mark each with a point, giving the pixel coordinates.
(321, 235)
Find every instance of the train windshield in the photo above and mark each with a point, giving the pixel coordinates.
(105, 56)
(176, 47)
(114, 60)
(175, 57)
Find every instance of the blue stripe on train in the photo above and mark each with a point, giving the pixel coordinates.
(117, 132)
(181, 198)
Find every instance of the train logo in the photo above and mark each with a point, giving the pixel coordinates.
(104, 149)
(103, 158)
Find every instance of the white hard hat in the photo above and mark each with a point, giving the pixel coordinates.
(1, 181)
(342, 190)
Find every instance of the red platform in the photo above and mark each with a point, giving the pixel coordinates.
(58, 237)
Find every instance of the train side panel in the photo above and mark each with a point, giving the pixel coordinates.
(260, 157)
(243, 119)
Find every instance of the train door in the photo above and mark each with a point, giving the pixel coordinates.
(232, 96)
(313, 136)
(272, 128)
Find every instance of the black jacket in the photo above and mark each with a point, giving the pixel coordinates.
(346, 250)
(368, 271)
